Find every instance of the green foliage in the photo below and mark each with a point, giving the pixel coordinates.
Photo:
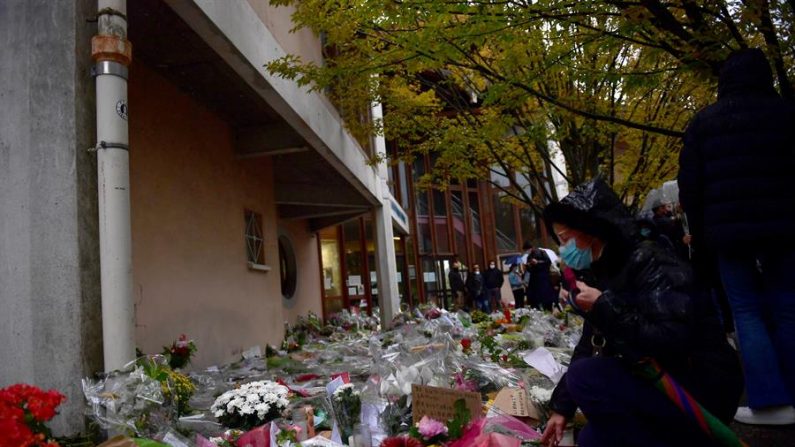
(612, 83)
(456, 426)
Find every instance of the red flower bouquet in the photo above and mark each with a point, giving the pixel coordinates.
(23, 411)
(180, 352)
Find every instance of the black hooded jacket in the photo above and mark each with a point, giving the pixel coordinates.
(647, 307)
(737, 166)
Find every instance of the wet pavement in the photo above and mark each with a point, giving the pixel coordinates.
(766, 436)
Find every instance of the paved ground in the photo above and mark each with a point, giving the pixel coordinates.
(758, 436)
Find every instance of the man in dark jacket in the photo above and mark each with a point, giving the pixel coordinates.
(637, 301)
(474, 285)
(457, 284)
(736, 184)
(540, 293)
(492, 281)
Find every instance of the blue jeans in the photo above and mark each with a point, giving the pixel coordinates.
(761, 293)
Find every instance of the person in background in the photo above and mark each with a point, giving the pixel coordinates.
(540, 293)
(457, 286)
(638, 304)
(736, 186)
(670, 228)
(492, 282)
(474, 286)
(518, 285)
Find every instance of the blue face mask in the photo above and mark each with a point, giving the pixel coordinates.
(574, 257)
(645, 232)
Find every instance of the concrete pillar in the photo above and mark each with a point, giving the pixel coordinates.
(49, 270)
(388, 294)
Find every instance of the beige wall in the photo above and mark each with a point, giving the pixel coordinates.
(188, 195)
(307, 296)
(278, 19)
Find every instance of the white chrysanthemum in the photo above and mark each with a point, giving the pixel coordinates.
(540, 394)
(342, 388)
(252, 398)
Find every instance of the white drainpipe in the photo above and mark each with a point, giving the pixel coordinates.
(112, 52)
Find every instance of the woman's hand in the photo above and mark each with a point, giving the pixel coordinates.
(554, 431)
(587, 296)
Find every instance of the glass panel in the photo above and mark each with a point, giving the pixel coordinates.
(430, 279)
(440, 221)
(330, 260)
(419, 168)
(403, 182)
(424, 235)
(422, 203)
(372, 262)
(442, 235)
(506, 229)
(411, 273)
(439, 203)
(459, 226)
(353, 262)
(477, 237)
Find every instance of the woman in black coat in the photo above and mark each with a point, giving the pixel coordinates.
(638, 302)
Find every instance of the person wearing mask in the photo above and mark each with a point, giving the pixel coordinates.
(492, 281)
(735, 184)
(457, 287)
(638, 304)
(474, 286)
(518, 284)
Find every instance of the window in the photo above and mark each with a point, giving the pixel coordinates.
(255, 250)
(287, 267)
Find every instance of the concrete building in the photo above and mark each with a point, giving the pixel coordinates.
(232, 176)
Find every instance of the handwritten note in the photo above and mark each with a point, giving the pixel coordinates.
(439, 403)
(514, 401)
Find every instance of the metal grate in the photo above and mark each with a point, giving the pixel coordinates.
(255, 251)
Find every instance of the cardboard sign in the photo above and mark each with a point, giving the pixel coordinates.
(514, 401)
(439, 403)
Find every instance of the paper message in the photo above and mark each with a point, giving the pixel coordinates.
(514, 402)
(439, 403)
(543, 361)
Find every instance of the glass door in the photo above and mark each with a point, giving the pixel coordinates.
(357, 276)
(330, 259)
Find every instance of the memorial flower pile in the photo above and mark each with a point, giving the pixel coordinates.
(251, 405)
(357, 382)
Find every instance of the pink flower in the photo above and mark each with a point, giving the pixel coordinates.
(430, 428)
(462, 384)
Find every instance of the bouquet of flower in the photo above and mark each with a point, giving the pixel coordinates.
(251, 405)
(346, 404)
(183, 390)
(180, 352)
(23, 411)
(541, 398)
(430, 432)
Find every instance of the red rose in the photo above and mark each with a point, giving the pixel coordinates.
(466, 343)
